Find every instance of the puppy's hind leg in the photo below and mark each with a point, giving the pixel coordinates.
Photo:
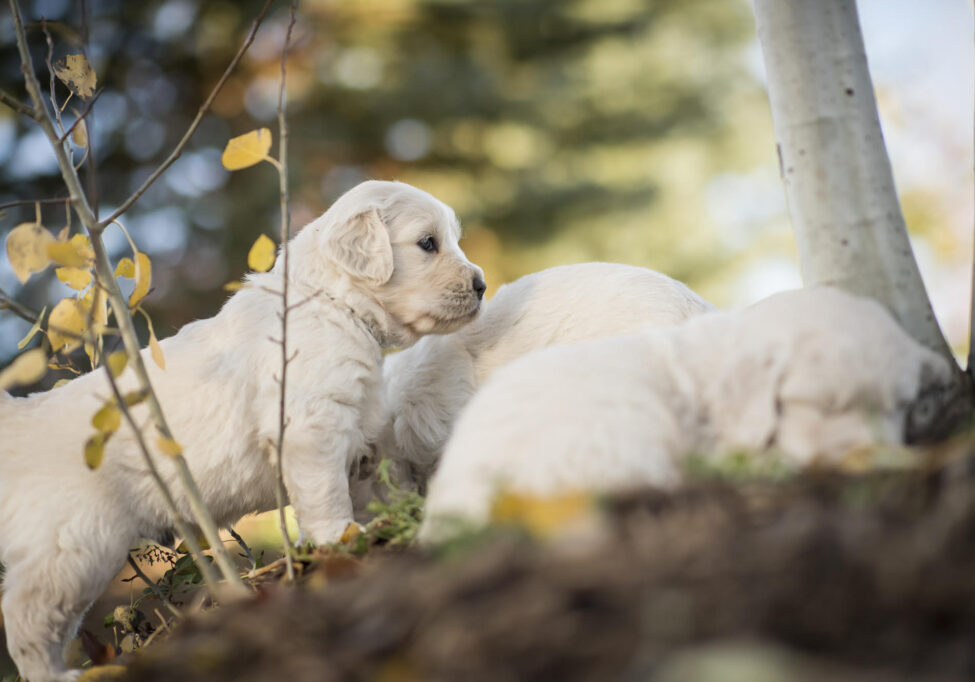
(46, 594)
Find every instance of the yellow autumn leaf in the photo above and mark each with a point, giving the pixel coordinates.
(74, 253)
(74, 71)
(125, 268)
(107, 419)
(541, 515)
(33, 330)
(246, 150)
(351, 532)
(27, 249)
(76, 278)
(67, 368)
(143, 278)
(117, 362)
(261, 256)
(154, 348)
(28, 368)
(99, 317)
(103, 673)
(83, 243)
(95, 449)
(156, 351)
(184, 548)
(80, 134)
(133, 398)
(66, 324)
(168, 446)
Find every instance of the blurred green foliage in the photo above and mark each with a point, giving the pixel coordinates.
(560, 130)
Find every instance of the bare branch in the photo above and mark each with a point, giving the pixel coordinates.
(104, 272)
(282, 167)
(91, 169)
(18, 106)
(50, 70)
(82, 115)
(184, 531)
(178, 150)
(31, 202)
(23, 312)
(305, 300)
(243, 545)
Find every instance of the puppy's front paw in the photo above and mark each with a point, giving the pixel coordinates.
(329, 532)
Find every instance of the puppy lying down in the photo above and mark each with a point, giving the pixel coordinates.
(381, 267)
(811, 373)
(427, 385)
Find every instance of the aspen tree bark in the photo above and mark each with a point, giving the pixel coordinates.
(839, 185)
(848, 222)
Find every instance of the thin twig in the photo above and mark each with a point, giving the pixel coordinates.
(91, 169)
(81, 117)
(271, 567)
(31, 202)
(18, 106)
(295, 306)
(103, 271)
(175, 154)
(243, 545)
(23, 312)
(50, 70)
(184, 531)
(285, 237)
(153, 586)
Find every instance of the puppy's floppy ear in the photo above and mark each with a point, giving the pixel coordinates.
(744, 402)
(361, 247)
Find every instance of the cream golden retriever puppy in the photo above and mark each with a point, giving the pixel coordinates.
(811, 374)
(427, 385)
(381, 267)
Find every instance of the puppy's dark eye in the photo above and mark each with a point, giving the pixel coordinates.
(428, 244)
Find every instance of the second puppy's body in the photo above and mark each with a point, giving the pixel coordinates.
(428, 385)
(381, 266)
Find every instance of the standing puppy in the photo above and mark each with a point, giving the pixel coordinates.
(381, 267)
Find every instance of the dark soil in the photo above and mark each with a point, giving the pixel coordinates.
(825, 576)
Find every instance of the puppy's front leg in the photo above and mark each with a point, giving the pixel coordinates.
(317, 479)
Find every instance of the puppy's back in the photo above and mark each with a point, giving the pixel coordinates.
(571, 303)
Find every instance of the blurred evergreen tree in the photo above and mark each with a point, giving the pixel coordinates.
(560, 130)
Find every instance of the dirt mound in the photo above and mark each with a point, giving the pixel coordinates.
(854, 578)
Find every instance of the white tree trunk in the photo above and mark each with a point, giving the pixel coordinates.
(840, 189)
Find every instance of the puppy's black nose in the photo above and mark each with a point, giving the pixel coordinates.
(479, 287)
